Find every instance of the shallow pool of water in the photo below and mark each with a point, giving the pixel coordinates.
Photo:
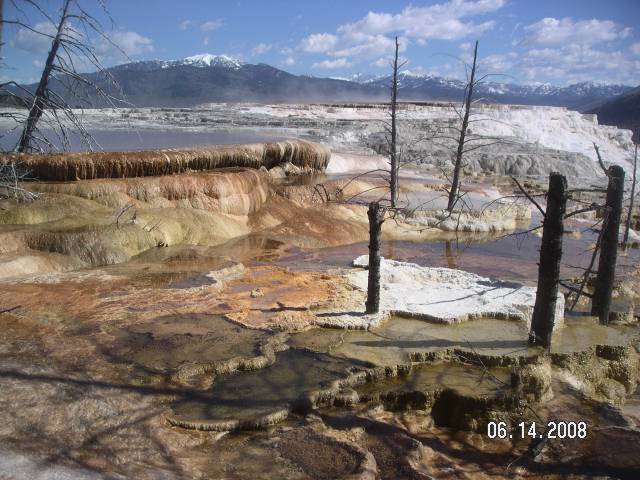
(248, 395)
(496, 255)
(394, 341)
(580, 333)
(120, 140)
(167, 342)
(465, 379)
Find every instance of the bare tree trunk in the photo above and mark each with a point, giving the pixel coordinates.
(544, 311)
(37, 107)
(376, 217)
(394, 133)
(601, 303)
(455, 183)
(1, 24)
(633, 194)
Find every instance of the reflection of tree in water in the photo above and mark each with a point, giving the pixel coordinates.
(451, 258)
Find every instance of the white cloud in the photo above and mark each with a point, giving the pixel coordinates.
(387, 62)
(131, 43)
(337, 63)
(384, 62)
(186, 24)
(289, 61)
(567, 51)
(553, 31)
(111, 45)
(318, 43)
(211, 25)
(205, 41)
(371, 37)
(440, 21)
(496, 63)
(416, 71)
(117, 45)
(576, 63)
(368, 46)
(261, 49)
(635, 48)
(32, 42)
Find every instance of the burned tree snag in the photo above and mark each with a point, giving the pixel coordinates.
(376, 217)
(544, 311)
(601, 303)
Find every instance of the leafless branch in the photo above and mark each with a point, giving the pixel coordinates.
(529, 197)
(600, 162)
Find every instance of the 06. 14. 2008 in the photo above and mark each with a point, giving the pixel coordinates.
(551, 430)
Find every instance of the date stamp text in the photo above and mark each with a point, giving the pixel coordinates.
(523, 430)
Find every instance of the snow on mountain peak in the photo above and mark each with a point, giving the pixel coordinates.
(410, 73)
(209, 60)
(359, 77)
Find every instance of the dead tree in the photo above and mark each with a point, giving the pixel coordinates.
(544, 311)
(627, 226)
(62, 90)
(54, 109)
(601, 303)
(376, 217)
(459, 137)
(1, 24)
(37, 108)
(391, 129)
(393, 147)
(455, 182)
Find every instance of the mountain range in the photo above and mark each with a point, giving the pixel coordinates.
(622, 111)
(218, 78)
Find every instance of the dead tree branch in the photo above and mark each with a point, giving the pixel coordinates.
(529, 197)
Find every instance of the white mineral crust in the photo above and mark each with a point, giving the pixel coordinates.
(447, 295)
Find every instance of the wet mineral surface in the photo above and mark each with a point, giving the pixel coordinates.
(170, 347)
(145, 369)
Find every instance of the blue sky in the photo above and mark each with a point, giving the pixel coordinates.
(554, 41)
